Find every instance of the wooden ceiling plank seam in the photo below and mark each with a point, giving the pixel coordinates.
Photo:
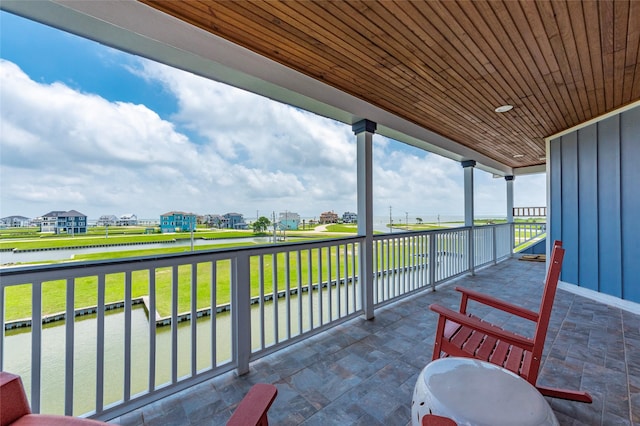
(225, 29)
(635, 87)
(370, 58)
(535, 22)
(556, 78)
(557, 47)
(486, 22)
(486, 19)
(404, 56)
(487, 113)
(605, 12)
(442, 64)
(461, 52)
(621, 20)
(326, 56)
(318, 59)
(464, 95)
(438, 130)
(498, 17)
(570, 52)
(632, 67)
(461, 133)
(578, 20)
(409, 34)
(440, 85)
(566, 57)
(263, 29)
(528, 58)
(522, 22)
(592, 24)
(275, 8)
(474, 141)
(289, 65)
(618, 79)
(491, 43)
(633, 35)
(466, 58)
(462, 113)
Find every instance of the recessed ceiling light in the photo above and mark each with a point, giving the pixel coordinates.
(518, 155)
(504, 108)
(542, 158)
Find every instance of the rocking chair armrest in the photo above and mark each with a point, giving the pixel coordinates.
(484, 327)
(497, 303)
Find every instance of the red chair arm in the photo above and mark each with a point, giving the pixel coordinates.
(497, 303)
(13, 400)
(476, 324)
(253, 408)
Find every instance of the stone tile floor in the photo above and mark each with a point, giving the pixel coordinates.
(363, 372)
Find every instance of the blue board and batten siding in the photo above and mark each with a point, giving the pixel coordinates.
(595, 204)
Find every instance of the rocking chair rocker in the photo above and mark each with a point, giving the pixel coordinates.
(465, 335)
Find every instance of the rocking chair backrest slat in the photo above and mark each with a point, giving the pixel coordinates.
(546, 305)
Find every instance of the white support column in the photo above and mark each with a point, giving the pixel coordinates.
(364, 131)
(468, 191)
(509, 180)
(468, 208)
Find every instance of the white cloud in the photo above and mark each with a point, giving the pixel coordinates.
(223, 150)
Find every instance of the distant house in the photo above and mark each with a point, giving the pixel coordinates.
(214, 220)
(15, 221)
(349, 217)
(57, 222)
(234, 221)
(289, 220)
(107, 220)
(128, 220)
(328, 217)
(177, 222)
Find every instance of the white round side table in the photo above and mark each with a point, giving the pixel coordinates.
(472, 392)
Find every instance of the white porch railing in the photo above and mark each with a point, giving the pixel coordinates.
(108, 362)
(528, 231)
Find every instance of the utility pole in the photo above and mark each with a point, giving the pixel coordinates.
(390, 221)
(406, 220)
(275, 236)
(192, 225)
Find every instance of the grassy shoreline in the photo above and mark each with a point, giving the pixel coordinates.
(18, 298)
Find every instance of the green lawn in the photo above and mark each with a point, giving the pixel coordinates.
(18, 298)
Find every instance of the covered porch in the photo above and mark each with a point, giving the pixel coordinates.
(364, 372)
(443, 94)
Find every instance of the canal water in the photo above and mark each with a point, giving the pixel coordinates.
(17, 351)
(64, 254)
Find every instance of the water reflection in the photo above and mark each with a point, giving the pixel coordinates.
(17, 356)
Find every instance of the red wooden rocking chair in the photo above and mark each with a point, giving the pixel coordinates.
(462, 334)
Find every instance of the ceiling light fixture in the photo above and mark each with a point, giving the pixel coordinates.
(518, 155)
(504, 108)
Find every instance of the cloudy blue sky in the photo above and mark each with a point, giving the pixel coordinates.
(90, 128)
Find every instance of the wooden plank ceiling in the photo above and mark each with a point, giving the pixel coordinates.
(446, 65)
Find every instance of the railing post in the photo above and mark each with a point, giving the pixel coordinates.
(433, 261)
(472, 256)
(495, 243)
(241, 312)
